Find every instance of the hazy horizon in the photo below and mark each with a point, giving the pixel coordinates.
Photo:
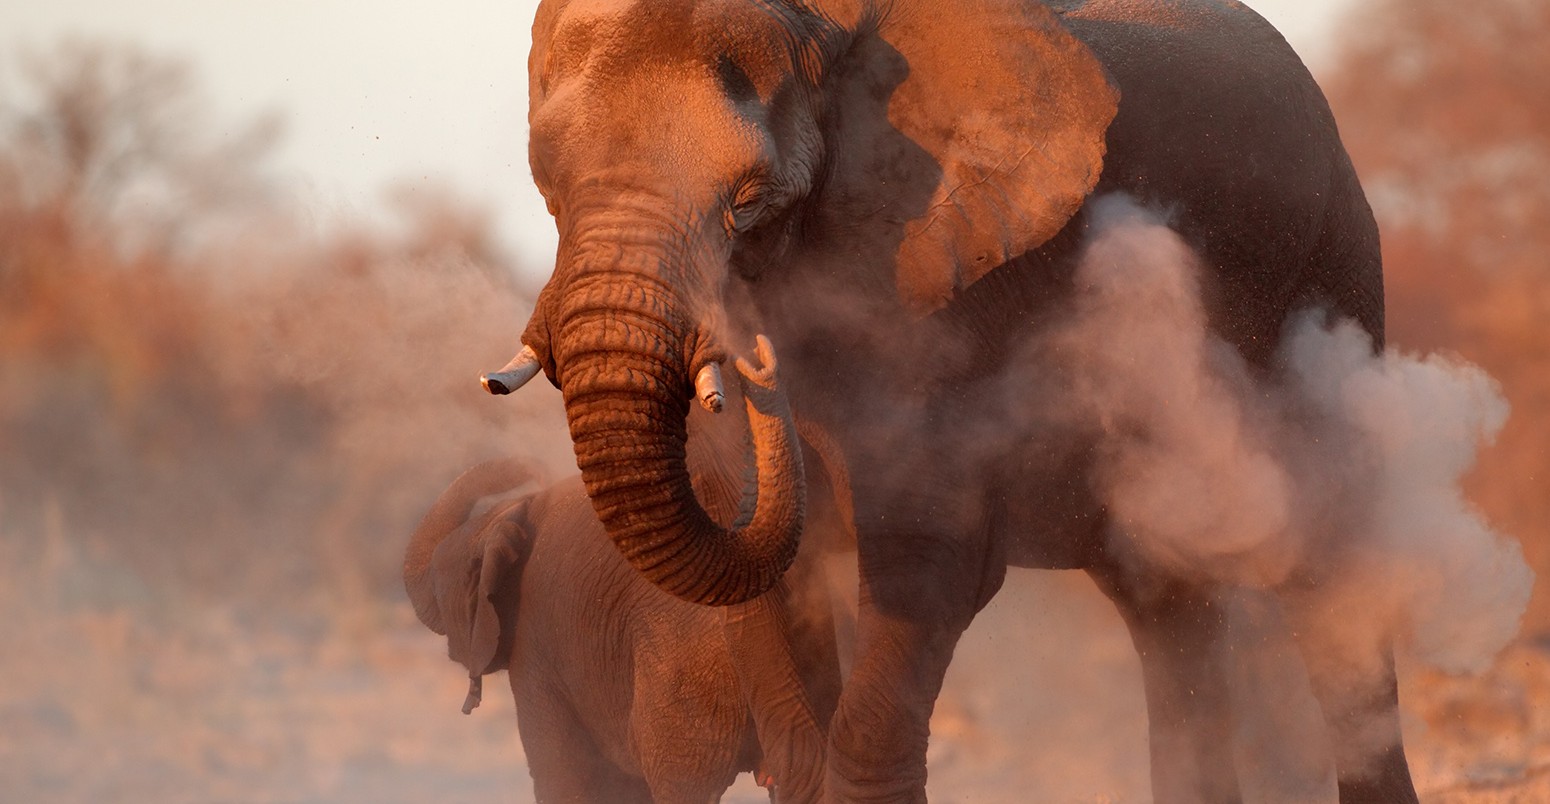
(418, 98)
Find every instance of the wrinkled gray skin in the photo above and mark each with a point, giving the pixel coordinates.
(625, 693)
(895, 191)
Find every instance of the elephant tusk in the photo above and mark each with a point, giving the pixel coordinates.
(513, 375)
(708, 388)
(475, 694)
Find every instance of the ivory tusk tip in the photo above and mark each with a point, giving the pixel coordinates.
(493, 385)
(708, 387)
(513, 375)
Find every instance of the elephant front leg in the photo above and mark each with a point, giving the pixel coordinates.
(1178, 631)
(918, 595)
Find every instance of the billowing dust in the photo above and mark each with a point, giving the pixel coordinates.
(1334, 476)
(1325, 488)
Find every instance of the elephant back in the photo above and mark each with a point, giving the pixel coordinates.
(1253, 142)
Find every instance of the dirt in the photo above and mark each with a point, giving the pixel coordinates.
(123, 704)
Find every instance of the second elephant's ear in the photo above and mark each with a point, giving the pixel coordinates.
(506, 548)
(476, 578)
(961, 135)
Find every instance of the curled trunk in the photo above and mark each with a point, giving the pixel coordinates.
(627, 388)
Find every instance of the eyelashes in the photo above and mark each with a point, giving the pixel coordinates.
(750, 199)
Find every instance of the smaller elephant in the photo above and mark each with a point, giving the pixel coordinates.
(624, 692)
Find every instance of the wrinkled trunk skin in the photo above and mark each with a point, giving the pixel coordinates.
(622, 344)
(446, 515)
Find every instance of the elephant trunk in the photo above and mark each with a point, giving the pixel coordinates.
(624, 364)
(451, 510)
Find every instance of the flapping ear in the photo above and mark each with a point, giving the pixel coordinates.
(961, 135)
(476, 572)
(505, 550)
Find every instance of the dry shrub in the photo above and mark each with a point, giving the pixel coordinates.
(255, 411)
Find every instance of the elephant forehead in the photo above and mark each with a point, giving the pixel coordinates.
(752, 38)
(655, 86)
(674, 119)
(622, 31)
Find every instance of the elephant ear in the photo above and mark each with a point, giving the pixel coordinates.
(505, 550)
(963, 135)
(477, 576)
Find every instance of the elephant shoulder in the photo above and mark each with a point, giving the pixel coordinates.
(1222, 128)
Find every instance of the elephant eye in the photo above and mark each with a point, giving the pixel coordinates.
(748, 202)
(749, 194)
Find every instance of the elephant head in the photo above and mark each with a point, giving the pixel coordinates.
(686, 145)
(459, 571)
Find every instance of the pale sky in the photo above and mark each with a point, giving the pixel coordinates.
(381, 91)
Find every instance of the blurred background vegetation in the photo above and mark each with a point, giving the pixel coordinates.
(1445, 108)
(221, 413)
(203, 390)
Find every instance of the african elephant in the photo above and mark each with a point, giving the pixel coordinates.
(623, 692)
(897, 192)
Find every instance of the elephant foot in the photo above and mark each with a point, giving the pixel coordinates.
(1386, 781)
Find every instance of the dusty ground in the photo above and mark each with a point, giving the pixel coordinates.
(117, 703)
(1054, 713)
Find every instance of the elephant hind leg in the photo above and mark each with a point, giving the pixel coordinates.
(1361, 714)
(1178, 631)
(1385, 780)
(1352, 677)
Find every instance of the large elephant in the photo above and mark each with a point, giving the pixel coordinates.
(625, 693)
(897, 192)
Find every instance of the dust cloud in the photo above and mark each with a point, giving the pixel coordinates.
(1331, 478)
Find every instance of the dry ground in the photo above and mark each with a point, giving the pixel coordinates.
(123, 703)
